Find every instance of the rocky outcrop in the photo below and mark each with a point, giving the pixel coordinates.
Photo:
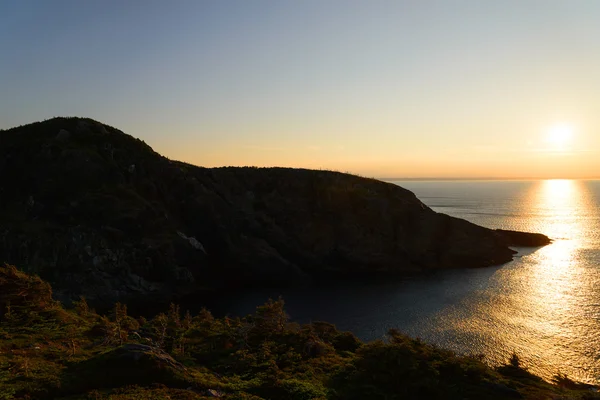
(129, 364)
(523, 239)
(99, 213)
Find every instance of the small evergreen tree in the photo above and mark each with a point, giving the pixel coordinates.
(271, 317)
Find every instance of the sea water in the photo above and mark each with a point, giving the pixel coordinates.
(544, 306)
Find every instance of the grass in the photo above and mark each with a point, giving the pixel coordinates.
(48, 352)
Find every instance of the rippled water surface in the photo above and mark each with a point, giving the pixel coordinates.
(544, 305)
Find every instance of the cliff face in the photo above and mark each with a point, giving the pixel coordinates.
(99, 213)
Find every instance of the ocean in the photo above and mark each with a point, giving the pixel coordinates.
(544, 306)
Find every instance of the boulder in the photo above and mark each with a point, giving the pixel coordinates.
(63, 135)
(129, 364)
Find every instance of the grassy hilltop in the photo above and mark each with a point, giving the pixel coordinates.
(48, 352)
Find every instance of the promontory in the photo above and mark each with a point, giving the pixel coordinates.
(98, 213)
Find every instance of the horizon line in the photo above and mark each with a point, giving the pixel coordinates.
(483, 179)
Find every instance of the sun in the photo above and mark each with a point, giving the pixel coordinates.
(560, 135)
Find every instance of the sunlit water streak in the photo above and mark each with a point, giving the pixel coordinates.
(545, 305)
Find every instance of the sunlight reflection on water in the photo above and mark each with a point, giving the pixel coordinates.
(561, 284)
(543, 306)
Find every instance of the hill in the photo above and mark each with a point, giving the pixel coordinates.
(97, 212)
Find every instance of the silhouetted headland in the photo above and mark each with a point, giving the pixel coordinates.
(97, 212)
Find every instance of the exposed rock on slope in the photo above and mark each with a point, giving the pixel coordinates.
(97, 212)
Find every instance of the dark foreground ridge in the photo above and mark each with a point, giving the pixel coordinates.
(48, 352)
(97, 212)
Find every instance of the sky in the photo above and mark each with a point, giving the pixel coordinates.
(423, 88)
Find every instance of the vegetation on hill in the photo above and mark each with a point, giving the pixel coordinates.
(93, 210)
(48, 352)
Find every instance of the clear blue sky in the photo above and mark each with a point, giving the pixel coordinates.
(381, 88)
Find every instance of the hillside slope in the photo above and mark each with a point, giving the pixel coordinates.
(49, 352)
(98, 212)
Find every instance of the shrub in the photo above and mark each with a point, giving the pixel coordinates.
(21, 292)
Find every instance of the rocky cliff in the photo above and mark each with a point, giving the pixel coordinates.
(99, 213)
